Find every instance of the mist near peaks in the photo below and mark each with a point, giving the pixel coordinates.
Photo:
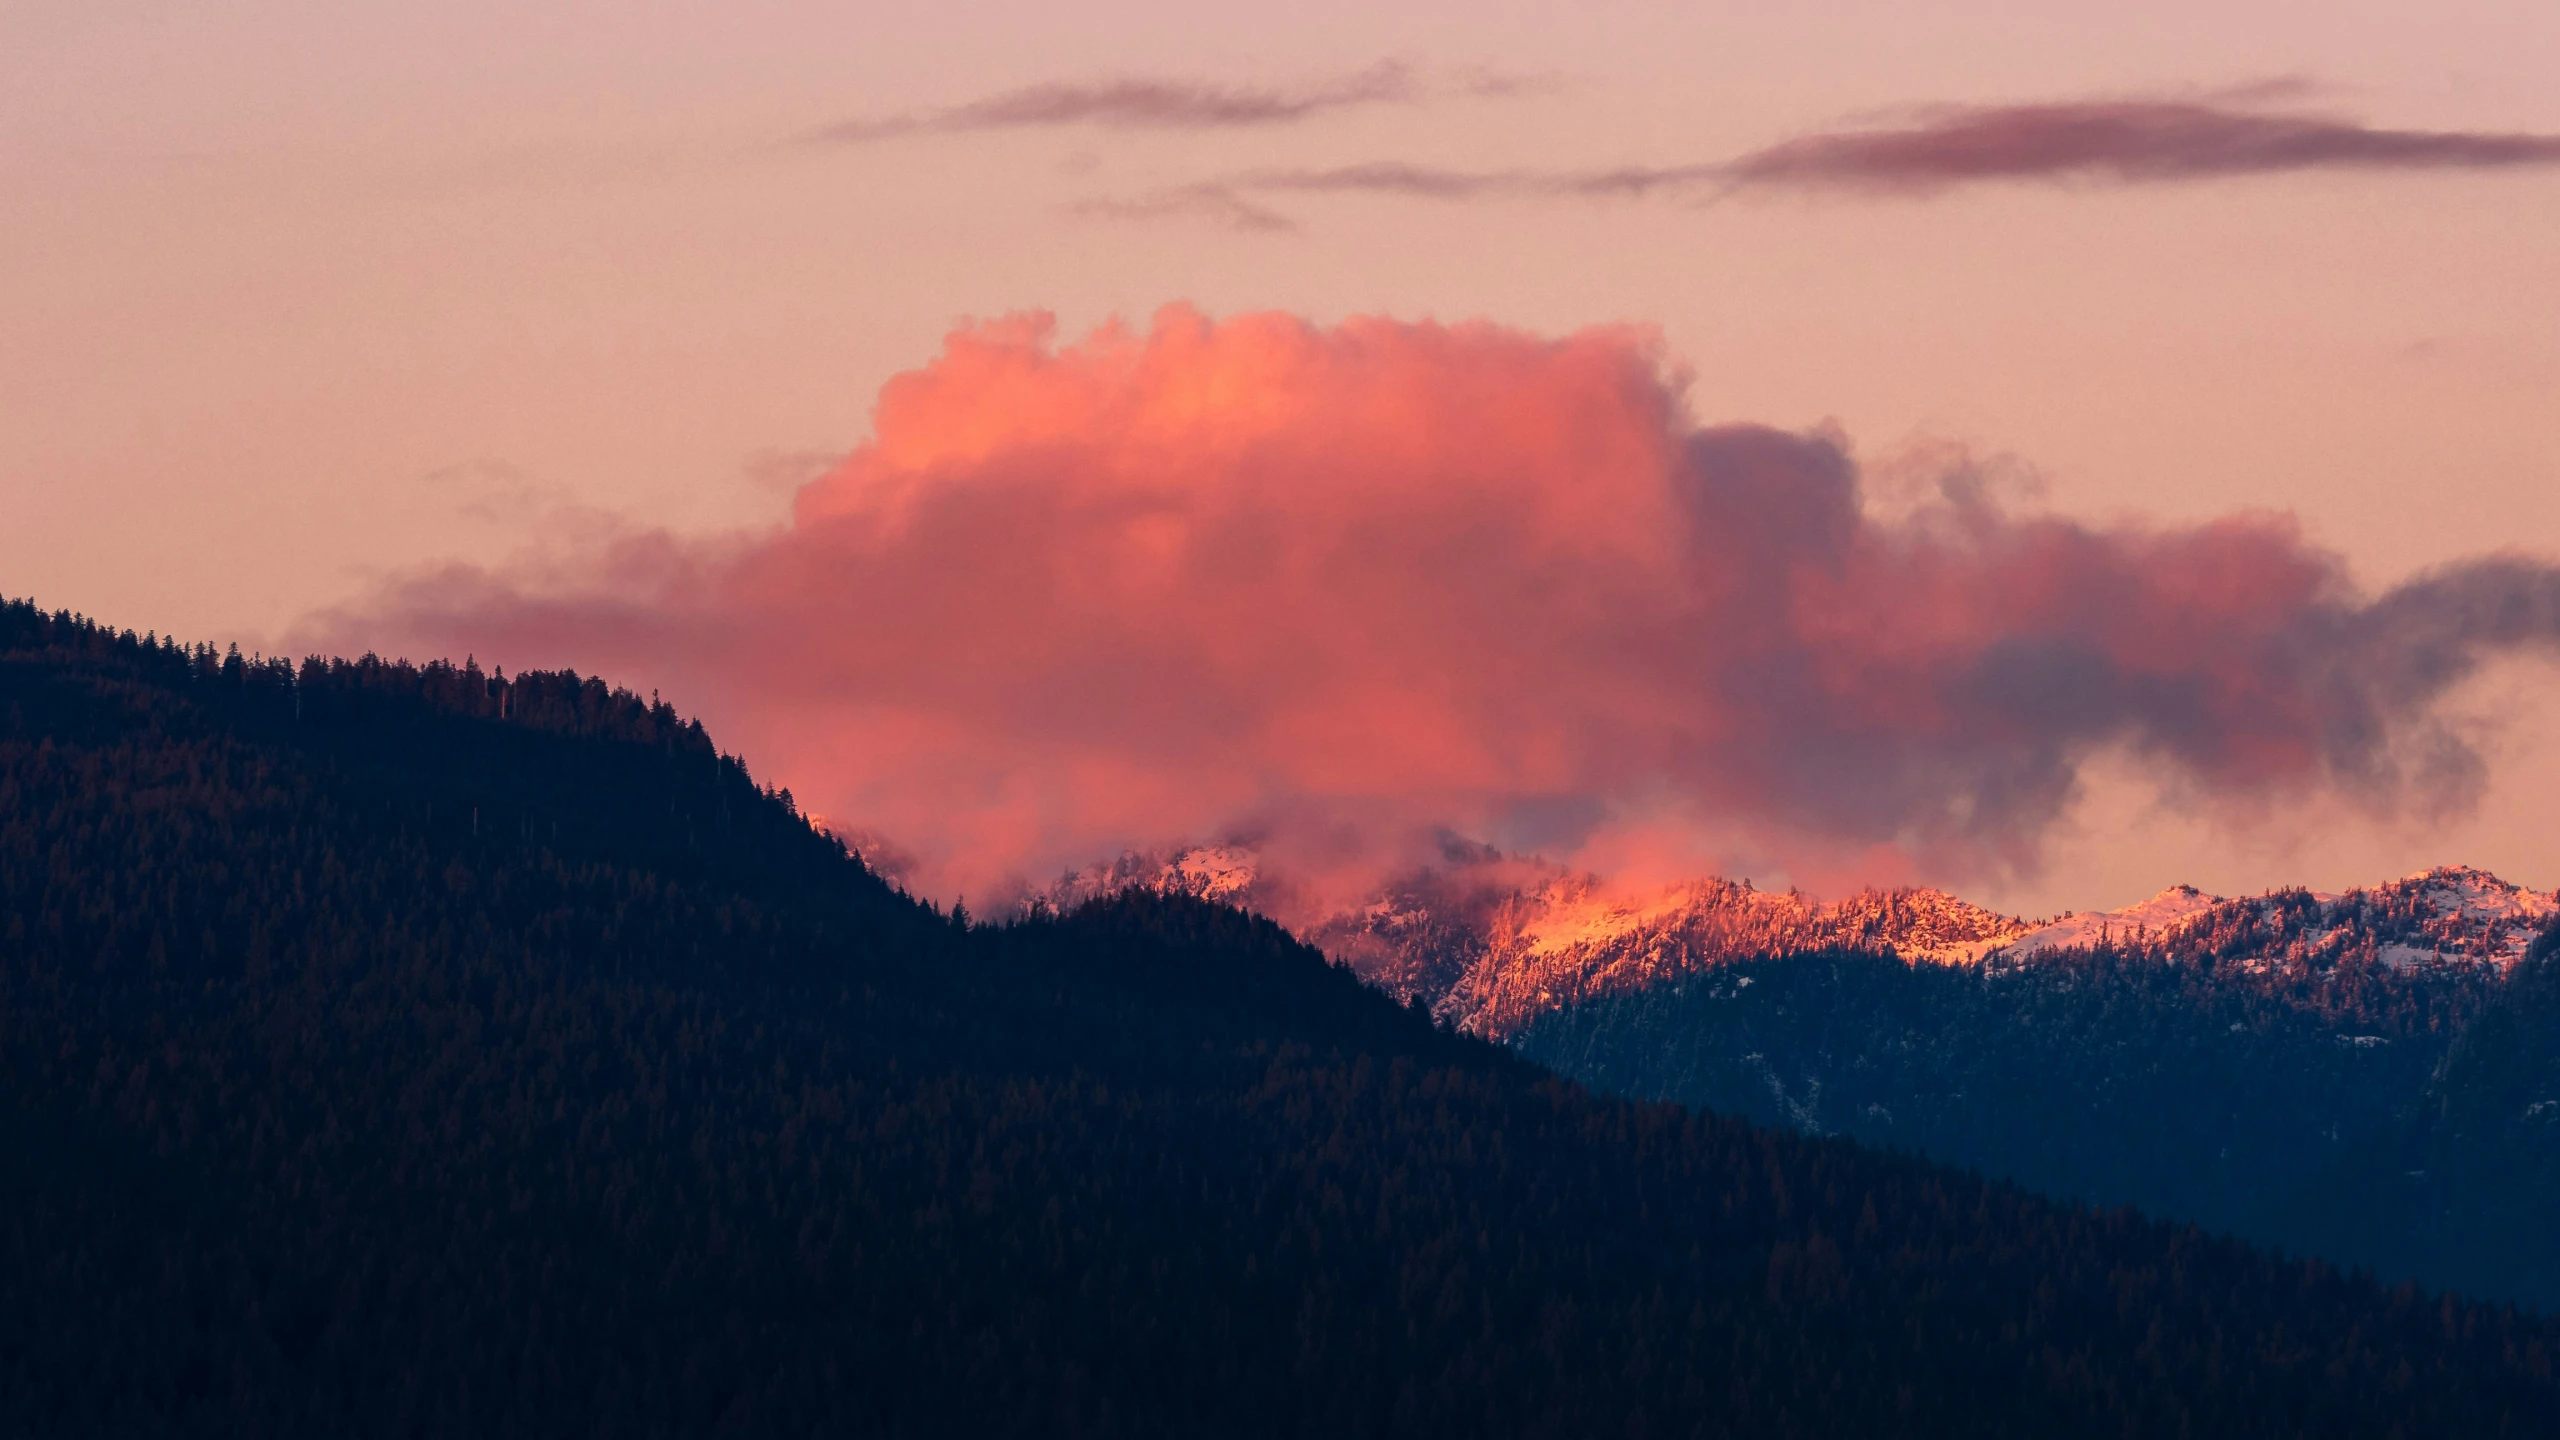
(1344, 592)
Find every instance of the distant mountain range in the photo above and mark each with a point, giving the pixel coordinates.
(1490, 952)
(2372, 1076)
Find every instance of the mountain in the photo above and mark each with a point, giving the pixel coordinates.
(2451, 915)
(1566, 943)
(2335, 1100)
(2370, 1076)
(412, 1050)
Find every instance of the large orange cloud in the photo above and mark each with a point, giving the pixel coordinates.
(1352, 590)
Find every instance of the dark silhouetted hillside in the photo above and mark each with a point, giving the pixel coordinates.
(397, 1051)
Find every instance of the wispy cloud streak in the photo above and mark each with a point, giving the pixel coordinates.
(1160, 103)
(2111, 142)
(1390, 177)
(2121, 142)
(1217, 203)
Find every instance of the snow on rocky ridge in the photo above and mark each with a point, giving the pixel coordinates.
(2453, 914)
(1491, 951)
(1224, 873)
(1572, 942)
(2162, 914)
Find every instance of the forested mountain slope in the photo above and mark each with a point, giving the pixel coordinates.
(2397, 1116)
(399, 1051)
(2371, 1076)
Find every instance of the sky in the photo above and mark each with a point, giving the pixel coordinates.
(420, 325)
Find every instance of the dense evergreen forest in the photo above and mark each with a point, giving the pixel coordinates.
(389, 1050)
(2405, 1120)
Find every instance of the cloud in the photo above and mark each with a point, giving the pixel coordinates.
(1396, 177)
(2119, 142)
(1347, 591)
(1230, 201)
(782, 472)
(1218, 204)
(1177, 104)
(494, 491)
(1390, 177)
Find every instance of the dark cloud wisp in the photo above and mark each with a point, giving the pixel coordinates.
(1219, 204)
(2112, 142)
(2124, 142)
(1161, 103)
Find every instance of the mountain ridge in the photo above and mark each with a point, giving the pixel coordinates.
(2371, 1075)
(1490, 957)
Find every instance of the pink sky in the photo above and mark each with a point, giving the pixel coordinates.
(300, 296)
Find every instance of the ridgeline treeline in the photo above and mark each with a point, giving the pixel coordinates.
(390, 1050)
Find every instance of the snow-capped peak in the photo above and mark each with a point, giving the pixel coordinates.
(1493, 943)
(2478, 895)
(2156, 916)
(1224, 873)
(1570, 941)
(2453, 914)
